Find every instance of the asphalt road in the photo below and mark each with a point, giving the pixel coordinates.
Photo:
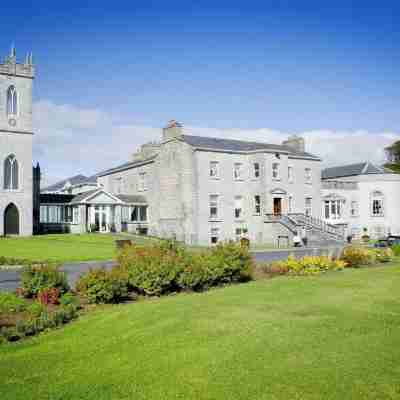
(9, 279)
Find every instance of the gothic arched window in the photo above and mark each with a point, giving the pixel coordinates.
(11, 173)
(12, 101)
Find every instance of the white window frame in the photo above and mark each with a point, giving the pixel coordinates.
(377, 198)
(238, 171)
(276, 175)
(139, 213)
(238, 211)
(12, 91)
(142, 181)
(333, 209)
(213, 203)
(12, 160)
(354, 208)
(256, 170)
(308, 176)
(290, 174)
(257, 204)
(308, 207)
(290, 204)
(214, 169)
(214, 233)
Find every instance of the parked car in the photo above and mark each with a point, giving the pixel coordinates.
(393, 240)
(390, 241)
(381, 243)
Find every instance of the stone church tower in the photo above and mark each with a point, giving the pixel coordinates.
(16, 183)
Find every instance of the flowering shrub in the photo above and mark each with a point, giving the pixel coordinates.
(384, 255)
(356, 256)
(167, 267)
(308, 265)
(48, 296)
(42, 276)
(102, 286)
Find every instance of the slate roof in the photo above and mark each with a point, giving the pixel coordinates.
(55, 198)
(229, 145)
(73, 180)
(233, 145)
(131, 199)
(364, 168)
(127, 165)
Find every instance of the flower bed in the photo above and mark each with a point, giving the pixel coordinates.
(43, 302)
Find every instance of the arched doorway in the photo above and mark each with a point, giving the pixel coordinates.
(11, 220)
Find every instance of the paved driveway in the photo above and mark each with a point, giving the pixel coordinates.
(9, 279)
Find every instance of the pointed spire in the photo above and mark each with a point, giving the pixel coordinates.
(27, 59)
(13, 52)
(31, 58)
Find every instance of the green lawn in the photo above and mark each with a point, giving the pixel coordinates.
(336, 336)
(63, 248)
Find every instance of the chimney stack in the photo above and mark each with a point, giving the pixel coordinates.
(172, 130)
(295, 143)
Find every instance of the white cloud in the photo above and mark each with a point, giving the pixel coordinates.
(70, 140)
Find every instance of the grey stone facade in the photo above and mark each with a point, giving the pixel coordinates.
(178, 186)
(16, 141)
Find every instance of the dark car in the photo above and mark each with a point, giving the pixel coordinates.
(381, 243)
(393, 240)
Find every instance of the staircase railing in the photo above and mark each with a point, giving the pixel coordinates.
(295, 221)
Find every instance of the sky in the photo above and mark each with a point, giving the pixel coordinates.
(111, 74)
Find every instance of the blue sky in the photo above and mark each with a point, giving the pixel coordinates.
(283, 66)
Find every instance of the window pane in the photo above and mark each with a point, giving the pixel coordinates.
(7, 173)
(143, 213)
(134, 214)
(14, 174)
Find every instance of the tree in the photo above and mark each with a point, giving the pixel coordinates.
(393, 157)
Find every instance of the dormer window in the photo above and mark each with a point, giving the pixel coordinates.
(12, 103)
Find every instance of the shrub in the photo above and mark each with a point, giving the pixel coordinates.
(70, 311)
(355, 256)
(273, 269)
(11, 303)
(231, 262)
(196, 274)
(154, 269)
(35, 310)
(167, 267)
(396, 250)
(384, 255)
(48, 296)
(69, 299)
(42, 276)
(102, 286)
(307, 265)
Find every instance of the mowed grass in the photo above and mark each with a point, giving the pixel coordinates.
(64, 247)
(336, 336)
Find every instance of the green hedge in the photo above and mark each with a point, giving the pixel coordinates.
(167, 267)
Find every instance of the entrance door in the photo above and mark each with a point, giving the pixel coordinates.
(11, 220)
(101, 218)
(277, 206)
